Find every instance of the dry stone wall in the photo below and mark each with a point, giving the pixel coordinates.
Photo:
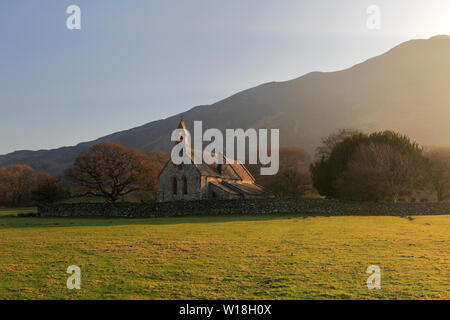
(244, 207)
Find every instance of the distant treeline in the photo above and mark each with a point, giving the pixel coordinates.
(108, 171)
(350, 165)
(20, 185)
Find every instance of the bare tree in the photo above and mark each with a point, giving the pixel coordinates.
(16, 182)
(293, 179)
(110, 170)
(328, 143)
(379, 172)
(289, 183)
(438, 171)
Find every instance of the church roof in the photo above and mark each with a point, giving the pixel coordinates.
(244, 188)
(223, 187)
(232, 169)
(249, 189)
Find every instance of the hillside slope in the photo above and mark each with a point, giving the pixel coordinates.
(405, 89)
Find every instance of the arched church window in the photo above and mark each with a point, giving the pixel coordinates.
(174, 185)
(185, 187)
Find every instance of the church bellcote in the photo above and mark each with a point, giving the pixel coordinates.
(183, 134)
(181, 125)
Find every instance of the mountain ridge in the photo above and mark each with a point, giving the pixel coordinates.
(404, 89)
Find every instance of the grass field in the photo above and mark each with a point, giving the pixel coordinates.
(16, 211)
(282, 257)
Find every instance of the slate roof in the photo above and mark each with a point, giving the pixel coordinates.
(232, 170)
(223, 187)
(244, 188)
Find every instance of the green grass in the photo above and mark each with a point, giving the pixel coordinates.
(281, 257)
(17, 211)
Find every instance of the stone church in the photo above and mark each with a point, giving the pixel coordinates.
(230, 180)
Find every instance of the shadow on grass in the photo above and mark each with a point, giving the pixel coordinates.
(44, 222)
(18, 211)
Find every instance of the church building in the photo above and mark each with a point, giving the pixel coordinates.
(230, 180)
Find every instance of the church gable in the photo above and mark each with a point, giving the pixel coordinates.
(206, 181)
(179, 182)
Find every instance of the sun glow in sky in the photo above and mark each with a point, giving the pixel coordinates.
(420, 19)
(138, 61)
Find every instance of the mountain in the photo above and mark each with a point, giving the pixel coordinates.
(405, 89)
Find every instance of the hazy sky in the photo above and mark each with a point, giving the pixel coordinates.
(137, 61)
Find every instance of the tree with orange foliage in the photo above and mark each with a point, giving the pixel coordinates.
(16, 183)
(111, 170)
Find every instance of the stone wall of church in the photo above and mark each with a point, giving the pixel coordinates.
(171, 172)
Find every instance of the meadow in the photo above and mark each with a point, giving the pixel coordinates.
(7, 212)
(232, 257)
